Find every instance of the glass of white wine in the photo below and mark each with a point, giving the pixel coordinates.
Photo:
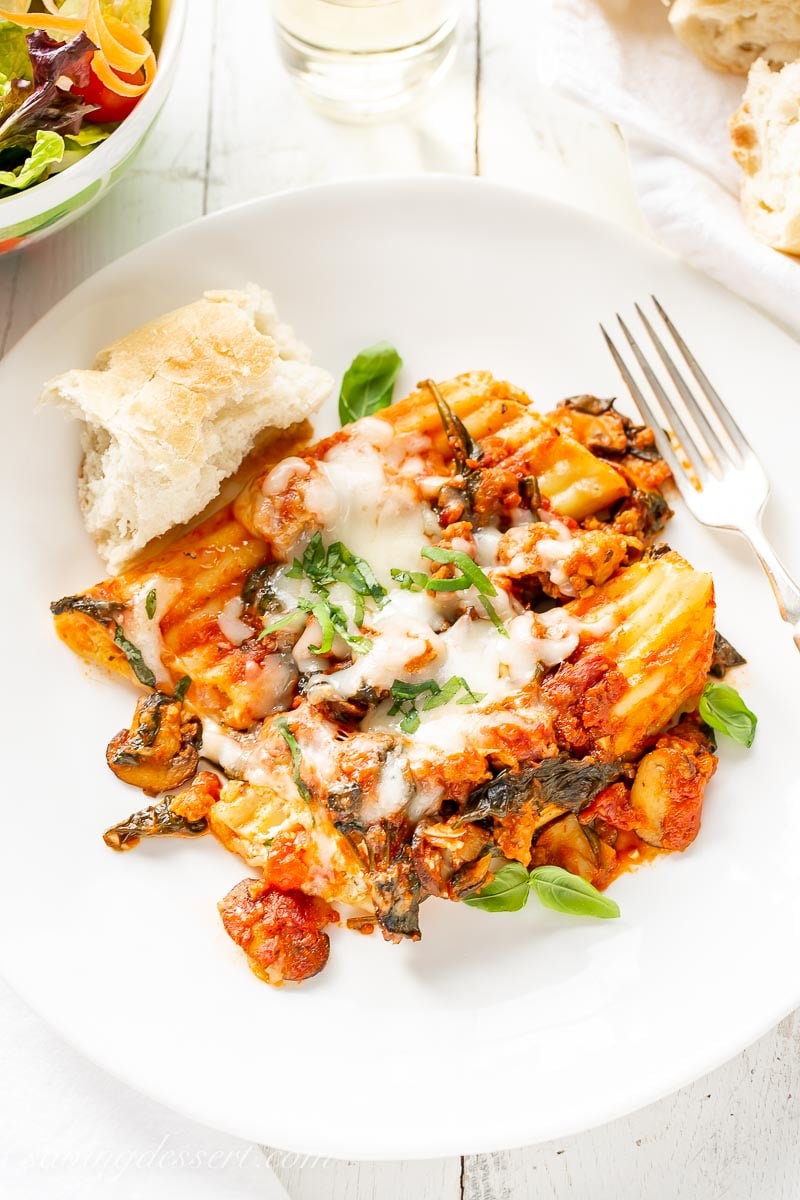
(363, 59)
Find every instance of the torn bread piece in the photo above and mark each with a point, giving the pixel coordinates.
(765, 136)
(730, 35)
(172, 409)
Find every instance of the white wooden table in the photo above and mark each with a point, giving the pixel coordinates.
(231, 131)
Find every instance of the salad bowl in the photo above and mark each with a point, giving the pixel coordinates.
(42, 209)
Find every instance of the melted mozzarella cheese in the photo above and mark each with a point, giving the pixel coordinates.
(487, 539)
(279, 478)
(548, 556)
(403, 642)
(230, 623)
(377, 518)
(144, 631)
(391, 793)
(224, 748)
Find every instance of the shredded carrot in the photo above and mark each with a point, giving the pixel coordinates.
(118, 55)
(120, 47)
(44, 21)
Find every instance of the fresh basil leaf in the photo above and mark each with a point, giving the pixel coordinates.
(723, 709)
(368, 382)
(150, 602)
(182, 687)
(506, 892)
(567, 893)
(134, 657)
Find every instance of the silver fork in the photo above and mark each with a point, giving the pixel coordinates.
(721, 481)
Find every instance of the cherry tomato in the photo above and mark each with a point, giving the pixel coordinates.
(111, 107)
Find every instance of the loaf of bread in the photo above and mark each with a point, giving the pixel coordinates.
(765, 133)
(172, 409)
(731, 34)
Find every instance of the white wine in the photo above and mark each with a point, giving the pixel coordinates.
(362, 26)
(361, 59)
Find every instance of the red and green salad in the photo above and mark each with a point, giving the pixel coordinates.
(70, 72)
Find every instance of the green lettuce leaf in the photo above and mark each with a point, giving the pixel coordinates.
(78, 145)
(15, 61)
(88, 136)
(47, 150)
(133, 12)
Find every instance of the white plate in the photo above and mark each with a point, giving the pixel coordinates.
(494, 1030)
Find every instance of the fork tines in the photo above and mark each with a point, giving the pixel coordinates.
(698, 427)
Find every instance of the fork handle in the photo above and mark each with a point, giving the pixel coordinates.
(787, 593)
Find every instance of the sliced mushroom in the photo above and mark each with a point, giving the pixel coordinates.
(667, 793)
(451, 859)
(565, 844)
(161, 750)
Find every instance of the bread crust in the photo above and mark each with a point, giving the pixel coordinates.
(171, 410)
(729, 35)
(765, 141)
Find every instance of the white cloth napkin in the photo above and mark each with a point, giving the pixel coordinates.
(620, 58)
(68, 1130)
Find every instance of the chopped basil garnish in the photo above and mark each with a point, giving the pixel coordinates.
(336, 564)
(555, 888)
(324, 567)
(723, 709)
(291, 741)
(182, 687)
(450, 690)
(471, 576)
(404, 696)
(410, 581)
(368, 382)
(150, 603)
(332, 620)
(134, 657)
